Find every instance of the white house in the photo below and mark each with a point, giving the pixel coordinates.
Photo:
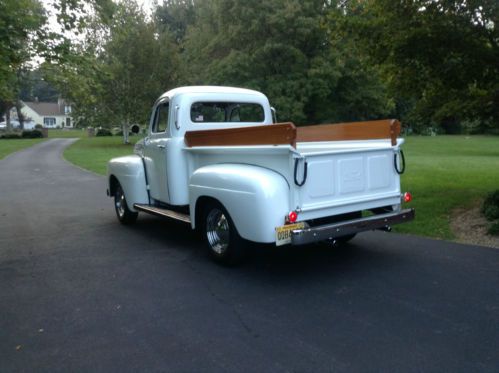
(48, 114)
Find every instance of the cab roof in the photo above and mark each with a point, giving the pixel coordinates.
(210, 89)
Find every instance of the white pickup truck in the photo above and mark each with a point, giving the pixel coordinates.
(214, 158)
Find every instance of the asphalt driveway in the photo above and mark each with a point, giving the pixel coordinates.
(80, 292)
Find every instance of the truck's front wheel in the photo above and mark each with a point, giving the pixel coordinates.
(124, 214)
(224, 244)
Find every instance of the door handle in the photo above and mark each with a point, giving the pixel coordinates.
(161, 146)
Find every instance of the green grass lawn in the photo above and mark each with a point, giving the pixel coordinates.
(443, 173)
(8, 146)
(93, 153)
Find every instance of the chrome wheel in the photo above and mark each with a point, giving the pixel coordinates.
(125, 216)
(224, 244)
(119, 202)
(217, 231)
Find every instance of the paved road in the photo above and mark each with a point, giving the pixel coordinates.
(80, 292)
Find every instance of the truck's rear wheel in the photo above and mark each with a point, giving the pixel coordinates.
(224, 244)
(124, 214)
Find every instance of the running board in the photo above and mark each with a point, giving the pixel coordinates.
(165, 213)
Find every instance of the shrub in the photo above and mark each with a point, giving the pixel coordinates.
(104, 132)
(471, 126)
(494, 229)
(35, 134)
(11, 135)
(490, 206)
(38, 126)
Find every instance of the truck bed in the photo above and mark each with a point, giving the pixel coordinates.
(341, 175)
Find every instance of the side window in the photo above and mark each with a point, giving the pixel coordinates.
(161, 118)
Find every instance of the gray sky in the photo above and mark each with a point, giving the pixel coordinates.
(146, 4)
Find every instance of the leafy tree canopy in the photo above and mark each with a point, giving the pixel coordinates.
(20, 41)
(441, 56)
(428, 62)
(282, 48)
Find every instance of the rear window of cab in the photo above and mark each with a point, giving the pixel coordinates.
(219, 112)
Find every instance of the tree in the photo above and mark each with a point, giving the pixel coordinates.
(440, 57)
(283, 48)
(139, 63)
(34, 86)
(21, 38)
(116, 72)
(175, 16)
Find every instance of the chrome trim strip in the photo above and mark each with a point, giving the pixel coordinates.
(163, 212)
(330, 231)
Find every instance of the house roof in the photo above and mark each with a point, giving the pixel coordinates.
(46, 108)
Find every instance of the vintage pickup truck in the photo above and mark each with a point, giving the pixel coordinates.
(214, 158)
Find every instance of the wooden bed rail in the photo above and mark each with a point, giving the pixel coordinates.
(288, 134)
(369, 130)
(275, 134)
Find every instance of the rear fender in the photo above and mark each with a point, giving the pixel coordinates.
(256, 198)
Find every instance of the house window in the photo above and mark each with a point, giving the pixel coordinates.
(68, 122)
(67, 109)
(49, 122)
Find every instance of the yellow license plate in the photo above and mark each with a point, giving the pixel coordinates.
(283, 233)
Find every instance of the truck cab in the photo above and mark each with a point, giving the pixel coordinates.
(192, 109)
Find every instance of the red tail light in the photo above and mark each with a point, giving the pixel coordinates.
(407, 197)
(292, 216)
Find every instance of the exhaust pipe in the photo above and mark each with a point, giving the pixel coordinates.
(386, 228)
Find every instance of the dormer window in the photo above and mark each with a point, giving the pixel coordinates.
(67, 109)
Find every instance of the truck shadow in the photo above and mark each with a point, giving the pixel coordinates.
(319, 259)
(169, 234)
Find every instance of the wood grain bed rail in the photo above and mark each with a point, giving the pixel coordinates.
(288, 134)
(275, 134)
(369, 130)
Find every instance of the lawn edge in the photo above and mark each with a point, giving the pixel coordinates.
(20, 150)
(74, 164)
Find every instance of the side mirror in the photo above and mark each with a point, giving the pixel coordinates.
(274, 114)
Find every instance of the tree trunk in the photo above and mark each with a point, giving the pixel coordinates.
(20, 115)
(126, 129)
(7, 119)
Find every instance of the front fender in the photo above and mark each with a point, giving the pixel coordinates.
(129, 172)
(256, 198)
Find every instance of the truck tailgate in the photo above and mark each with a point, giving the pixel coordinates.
(345, 180)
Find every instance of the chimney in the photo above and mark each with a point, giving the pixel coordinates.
(60, 103)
